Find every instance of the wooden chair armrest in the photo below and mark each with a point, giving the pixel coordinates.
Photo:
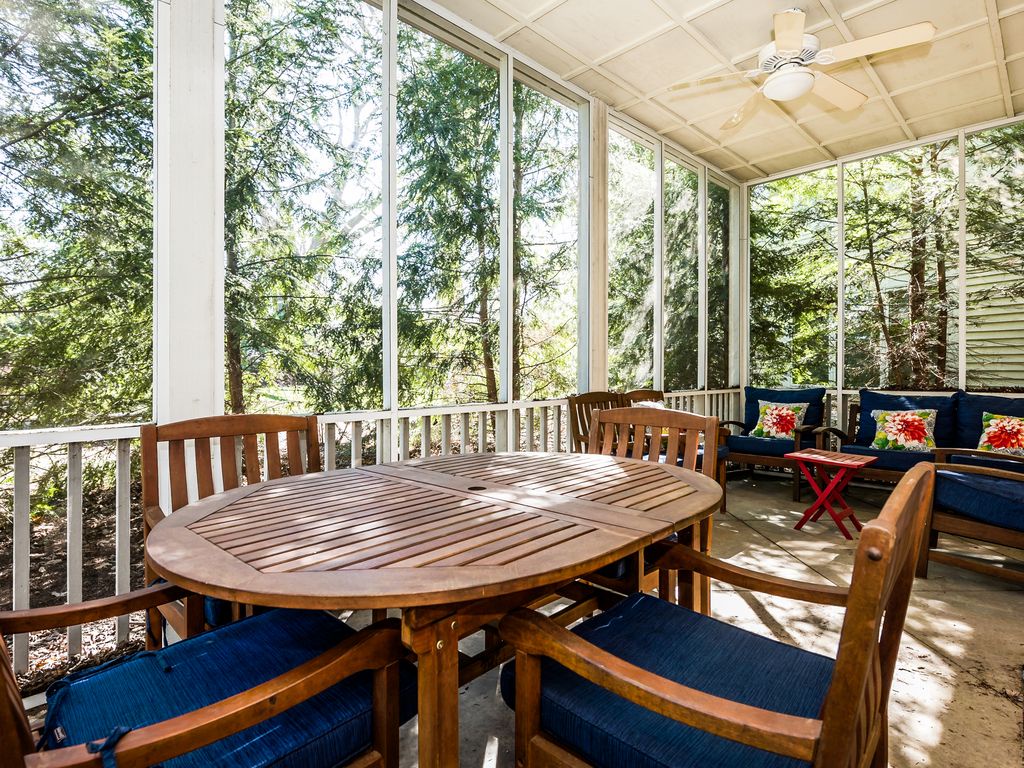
(684, 558)
(38, 619)
(153, 514)
(806, 429)
(534, 634)
(821, 432)
(374, 648)
(739, 424)
(942, 455)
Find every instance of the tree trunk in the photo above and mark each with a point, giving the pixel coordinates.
(890, 367)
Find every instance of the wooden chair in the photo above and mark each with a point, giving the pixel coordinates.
(580, 409)
(238, 438)
(642, 396)
(674, 437)
(978, 496)
(149, 707)
(732, 687)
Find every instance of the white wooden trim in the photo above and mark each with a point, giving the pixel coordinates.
(122, 529)
(389, 213)
(188, 321)
(21, 566)
(658, 275)
(74, 541)
(961, 269)
(598, 287)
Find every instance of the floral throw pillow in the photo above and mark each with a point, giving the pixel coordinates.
(904, 430)
(778, 420)
(1002, 434)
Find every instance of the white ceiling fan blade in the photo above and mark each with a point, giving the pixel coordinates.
(897, 38)
(741, 114)
(836, 92)
(714, 79)
(789, 30)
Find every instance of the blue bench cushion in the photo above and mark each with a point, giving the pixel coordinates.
(813, 396)
(691, 649)
(900, 461)
(765, 446)
(143, 688)
(970, 408)
(992, 500)
(945, 416)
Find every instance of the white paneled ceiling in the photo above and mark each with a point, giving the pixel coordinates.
(629, 52)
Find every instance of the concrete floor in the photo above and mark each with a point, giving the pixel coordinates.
(957, 696)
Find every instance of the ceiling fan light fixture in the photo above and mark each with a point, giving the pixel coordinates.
(788, 84)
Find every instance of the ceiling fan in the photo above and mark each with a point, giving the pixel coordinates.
(787, 63)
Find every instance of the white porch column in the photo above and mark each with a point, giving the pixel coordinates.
(188, 374)
(598, 304)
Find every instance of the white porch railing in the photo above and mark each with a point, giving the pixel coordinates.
(726, 404)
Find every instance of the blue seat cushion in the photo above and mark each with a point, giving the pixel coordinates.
(691, 649)
(899, 461)
(992, 500)
(723, 453)
(813, 396)
(765, 446)
(147, 687)
(971, 408)
(944, 406)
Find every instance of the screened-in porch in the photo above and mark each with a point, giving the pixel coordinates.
(448, 239)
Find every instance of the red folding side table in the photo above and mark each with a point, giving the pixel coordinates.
(845, 466)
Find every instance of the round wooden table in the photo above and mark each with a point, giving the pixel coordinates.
(455, 541)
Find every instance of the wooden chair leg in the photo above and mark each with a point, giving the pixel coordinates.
(668, 585)
(527, 705)
(378, 614)
(689, 588)
(705, 581)
(928, 542)
(385, 714)
(722, 478)
(797, 490)
(195, 620)
(880, 759)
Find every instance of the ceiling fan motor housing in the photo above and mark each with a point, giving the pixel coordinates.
(770, 60)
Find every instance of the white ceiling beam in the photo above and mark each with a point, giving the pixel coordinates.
(997, 43)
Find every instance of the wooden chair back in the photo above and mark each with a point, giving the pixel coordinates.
(854, 716)
(643, 396)
(580, 409)
(657, 433)
(238, 437)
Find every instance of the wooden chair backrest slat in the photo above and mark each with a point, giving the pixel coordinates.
(580, 409)
(883, 574)
(660, 433)
(238, 437)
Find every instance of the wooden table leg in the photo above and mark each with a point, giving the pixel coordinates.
(437, 658)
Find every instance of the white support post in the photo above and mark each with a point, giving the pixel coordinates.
(464, 441)
(22, 549)
(446, 434)
(357, 444)
(658, 276)
(841, 296)
(702, 277)
(961, 268)
(744, 262)
(426, 438)
(189, 261)
(330, 446)
(481, 434)
(74, 542)
(389, 437)
(583, 249)
(505, 431)
(598, 285)
(122, 529)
